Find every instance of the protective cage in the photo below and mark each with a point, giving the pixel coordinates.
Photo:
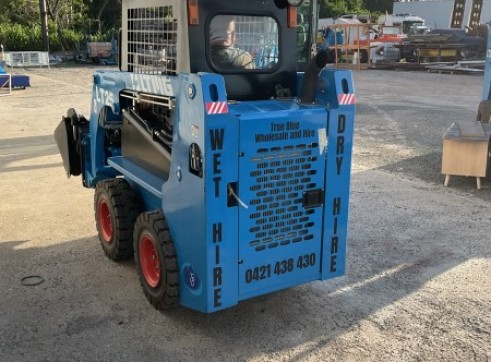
(154, 37)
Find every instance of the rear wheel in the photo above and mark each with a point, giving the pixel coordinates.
(116, 210)
(156, 260)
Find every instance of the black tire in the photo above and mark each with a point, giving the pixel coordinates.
(116, 209)
(156, 260)
(468, 54)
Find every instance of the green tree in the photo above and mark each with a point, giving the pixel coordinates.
(104, 15)
(66, 15)
(23, 12)
(332, 8)
(335, 8)
(20, 24)
(380, 6)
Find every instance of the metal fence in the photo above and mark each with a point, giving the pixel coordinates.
(27, 59)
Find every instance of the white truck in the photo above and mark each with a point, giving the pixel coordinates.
(408, 23)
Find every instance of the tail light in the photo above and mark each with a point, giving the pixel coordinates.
(193, 12)
(292, 16)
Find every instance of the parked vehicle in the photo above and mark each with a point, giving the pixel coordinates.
(390, 30)
(443, 45)
(406, 22)
(471, 46)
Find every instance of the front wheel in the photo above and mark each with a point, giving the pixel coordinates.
(156, 260)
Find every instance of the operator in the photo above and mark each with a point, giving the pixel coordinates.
(222, 40)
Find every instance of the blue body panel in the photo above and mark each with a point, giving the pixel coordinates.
(281, 159)
(203, 227)
(270, 209)
(106, 92)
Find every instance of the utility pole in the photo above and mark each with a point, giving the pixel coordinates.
(44, 24)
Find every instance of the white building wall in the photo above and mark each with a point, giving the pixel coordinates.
(438, 13)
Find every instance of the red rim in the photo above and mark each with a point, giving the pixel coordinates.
(149, 260)
(105, 221)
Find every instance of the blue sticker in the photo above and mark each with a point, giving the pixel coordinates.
(191, 279)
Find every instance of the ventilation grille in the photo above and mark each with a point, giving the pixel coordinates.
(278, 178)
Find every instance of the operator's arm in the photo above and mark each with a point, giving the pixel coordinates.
(244, 60)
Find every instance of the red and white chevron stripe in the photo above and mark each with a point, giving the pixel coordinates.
(346, 99)
(216, 107)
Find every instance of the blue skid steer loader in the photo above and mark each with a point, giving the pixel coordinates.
(220, 160)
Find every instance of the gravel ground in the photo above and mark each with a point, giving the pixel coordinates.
(418, 282)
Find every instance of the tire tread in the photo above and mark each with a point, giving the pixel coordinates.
(168, 296)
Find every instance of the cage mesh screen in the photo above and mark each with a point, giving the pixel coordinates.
(152, 40)
(259, 36)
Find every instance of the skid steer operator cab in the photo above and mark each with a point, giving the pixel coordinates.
(252, 43)
(220, 153)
